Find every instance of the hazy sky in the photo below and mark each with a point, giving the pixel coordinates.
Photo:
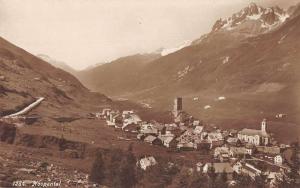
(85, 32)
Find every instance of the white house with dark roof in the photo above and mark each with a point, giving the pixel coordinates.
(255, 137)
(278, 159)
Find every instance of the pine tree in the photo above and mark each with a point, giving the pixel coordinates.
(97, 171)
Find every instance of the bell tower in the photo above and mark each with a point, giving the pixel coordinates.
(177, 106)
(264, 126)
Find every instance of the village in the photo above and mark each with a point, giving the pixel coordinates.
(249, 152)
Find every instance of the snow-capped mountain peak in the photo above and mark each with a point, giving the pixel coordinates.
(263, 18)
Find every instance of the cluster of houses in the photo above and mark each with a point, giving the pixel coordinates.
(248, 151)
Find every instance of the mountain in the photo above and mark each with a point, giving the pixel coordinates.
(251, 21)
(116, 76)
(255, 69)
(56, 63)
(24, 77)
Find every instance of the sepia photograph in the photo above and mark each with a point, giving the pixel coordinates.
(150, 93)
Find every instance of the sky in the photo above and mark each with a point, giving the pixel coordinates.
(86, 32)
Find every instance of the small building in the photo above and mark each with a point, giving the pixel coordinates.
(250, 170)
(132, 119)
(272, 150)
(278, 160)
(215, 139)
(167, 139)
(232, 141)
(127, 113)
(219, 168)
(199, 167)
(198, 130)
(237, 167)
(196, 123)
(152, 140)
(140, 136)
(221, 151)
(186, 146)
(132, 128)
(148, 129)
(146, 162)
(240, 151)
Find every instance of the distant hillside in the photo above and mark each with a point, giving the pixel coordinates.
(56, 63)
(116, 76)
(24, 77)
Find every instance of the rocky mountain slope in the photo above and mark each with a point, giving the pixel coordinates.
(253, 66)
(24, 77)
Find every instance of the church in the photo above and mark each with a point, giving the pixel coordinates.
(255, 137)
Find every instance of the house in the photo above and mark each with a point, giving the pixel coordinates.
(240, 151)
(237, 167)
(132, 119)
(196, 123)
(219, 168)
(233, 132)
(116, 118)
(105, 112)
(171, 127)
(167, 138)
(199, 167)
(232, 141)
(146, 162)
(169, 142)
(140, 136)
(152, 140)
(127, 112)
(161, 129)
(250, 170)
(111, 124)
(148, 129)
(273, 150)
(278, 160)
(215, 139)
(133, 128)
(221, 151)
(255, 137)
(185, 146)
(198, 130)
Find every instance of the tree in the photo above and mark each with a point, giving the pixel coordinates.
(97, 171)
(259, 181)
(126, 173)
(212, 175)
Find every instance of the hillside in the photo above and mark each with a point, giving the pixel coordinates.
(59, 64)
(116, 76)
(255, 72)
(25, 77)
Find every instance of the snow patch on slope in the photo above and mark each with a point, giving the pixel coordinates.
(165, 52)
